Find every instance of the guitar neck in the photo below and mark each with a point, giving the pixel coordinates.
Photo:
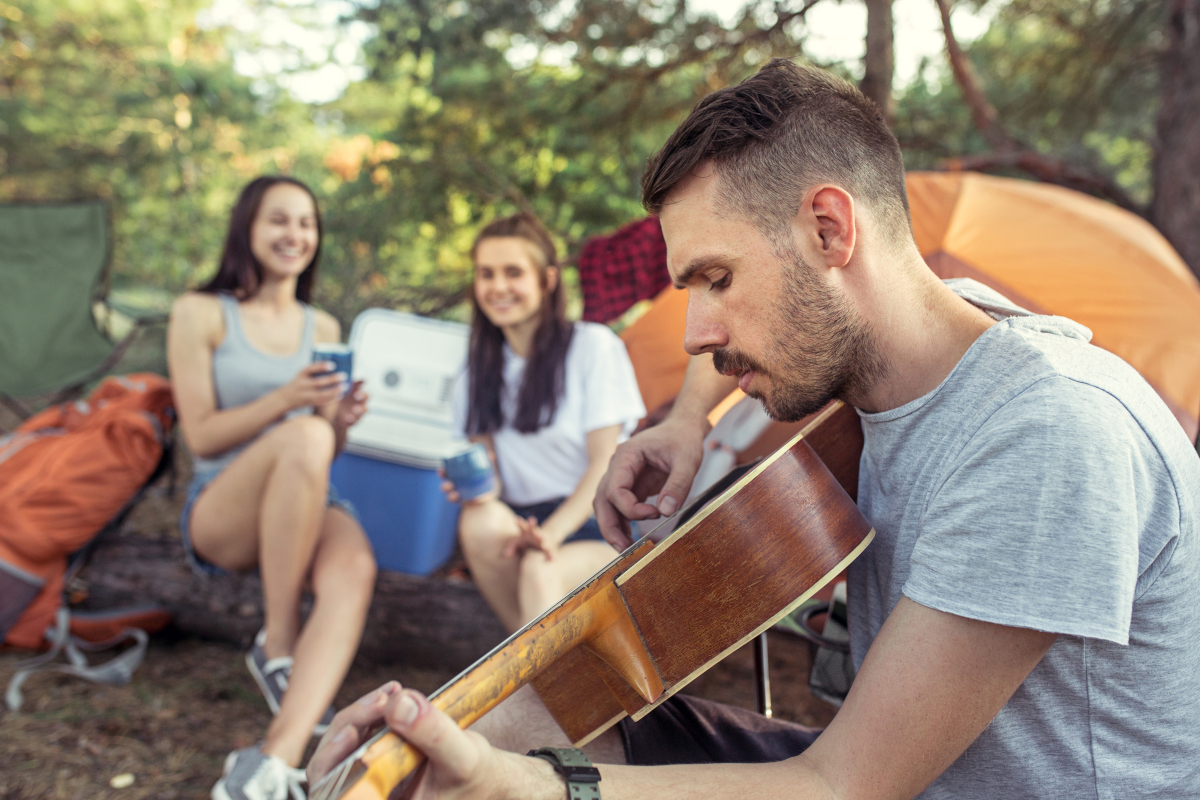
(384, 761)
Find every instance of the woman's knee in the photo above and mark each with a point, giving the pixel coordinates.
(537, 570)
(536, 566)
(361, 570)
(484, 529)
(347, 566)
(307, 442)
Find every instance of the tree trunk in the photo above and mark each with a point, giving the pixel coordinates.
(420, 622)
(983, 113)
(879, 62)
(1176, 208)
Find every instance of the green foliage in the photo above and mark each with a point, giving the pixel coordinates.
(1073, 79)
(489, 107)
(129, 101)
(477, 108)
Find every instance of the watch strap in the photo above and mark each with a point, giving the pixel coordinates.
(583, 780)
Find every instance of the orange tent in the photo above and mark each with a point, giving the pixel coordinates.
(1048, 249)
(1057, 251)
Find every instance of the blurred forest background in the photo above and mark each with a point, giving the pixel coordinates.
(468, 109)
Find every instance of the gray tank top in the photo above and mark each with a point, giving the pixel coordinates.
(242, 373)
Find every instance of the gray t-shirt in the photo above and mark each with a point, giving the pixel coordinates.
(1045, 485)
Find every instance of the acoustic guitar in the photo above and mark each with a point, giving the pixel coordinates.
(660, 615)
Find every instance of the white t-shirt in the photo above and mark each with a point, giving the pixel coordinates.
(600, 390)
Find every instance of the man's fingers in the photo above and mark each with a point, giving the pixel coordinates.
(349, 728)
(675, 489)
(633, 508)
(613, 527)
(452, 753)
(622, 476)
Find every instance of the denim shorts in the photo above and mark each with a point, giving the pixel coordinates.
(200, 482)
(588, 531)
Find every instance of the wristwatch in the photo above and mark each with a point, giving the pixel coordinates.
(583, 780)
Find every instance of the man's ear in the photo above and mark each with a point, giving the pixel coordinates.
(831, 232)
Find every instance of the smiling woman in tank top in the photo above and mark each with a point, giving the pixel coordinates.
(264, 425)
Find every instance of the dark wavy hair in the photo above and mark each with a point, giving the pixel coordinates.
(546, 365)
(239, 272)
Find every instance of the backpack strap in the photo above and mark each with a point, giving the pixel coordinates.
(117, 671)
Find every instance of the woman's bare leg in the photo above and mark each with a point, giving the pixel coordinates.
(485, 528)
(543, 582)
(267, 509)
(343, 582)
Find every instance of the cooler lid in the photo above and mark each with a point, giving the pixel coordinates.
(415, 444)
(408, 365)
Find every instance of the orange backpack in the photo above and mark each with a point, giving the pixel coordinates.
(64, 475)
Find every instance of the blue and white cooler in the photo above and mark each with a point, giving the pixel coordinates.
(389, 467)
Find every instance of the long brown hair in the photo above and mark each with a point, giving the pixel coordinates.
(239, 272)
(546, 367)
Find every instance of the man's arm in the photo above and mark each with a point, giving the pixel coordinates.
(930, 684)
(662, 460)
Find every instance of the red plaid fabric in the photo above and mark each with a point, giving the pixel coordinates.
(618, 270)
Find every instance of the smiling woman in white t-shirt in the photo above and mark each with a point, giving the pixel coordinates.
(551, 400)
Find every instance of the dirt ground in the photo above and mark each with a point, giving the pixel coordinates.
(193, 701)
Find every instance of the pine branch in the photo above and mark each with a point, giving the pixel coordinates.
(1009, 151)
(986, 118)
(1049, 170)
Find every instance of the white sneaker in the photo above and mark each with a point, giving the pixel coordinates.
(251, 774)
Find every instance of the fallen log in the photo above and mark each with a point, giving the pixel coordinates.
(415, 621)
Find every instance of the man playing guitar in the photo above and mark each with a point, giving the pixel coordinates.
(1026, 622)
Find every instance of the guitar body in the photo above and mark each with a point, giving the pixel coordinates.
(659, 616)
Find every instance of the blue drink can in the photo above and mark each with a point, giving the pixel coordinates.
(340, 354)
(471, 472)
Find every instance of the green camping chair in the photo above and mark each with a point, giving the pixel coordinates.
(53, 269)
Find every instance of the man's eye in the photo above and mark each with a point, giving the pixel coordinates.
(723, 283)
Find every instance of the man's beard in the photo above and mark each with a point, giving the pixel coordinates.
(821, 350)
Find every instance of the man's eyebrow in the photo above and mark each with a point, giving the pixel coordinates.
(694, 266)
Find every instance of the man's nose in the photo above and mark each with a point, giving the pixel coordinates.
(703, 332)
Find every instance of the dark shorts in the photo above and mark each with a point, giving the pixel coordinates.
(200, 482)
(588, 531)
(688, 730)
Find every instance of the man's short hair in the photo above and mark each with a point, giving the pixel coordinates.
(779, 133)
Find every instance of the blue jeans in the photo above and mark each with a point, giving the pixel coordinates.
(200, 482)
(588, 531)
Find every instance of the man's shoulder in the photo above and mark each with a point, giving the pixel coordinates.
(1078, 406)
(1046, 358)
